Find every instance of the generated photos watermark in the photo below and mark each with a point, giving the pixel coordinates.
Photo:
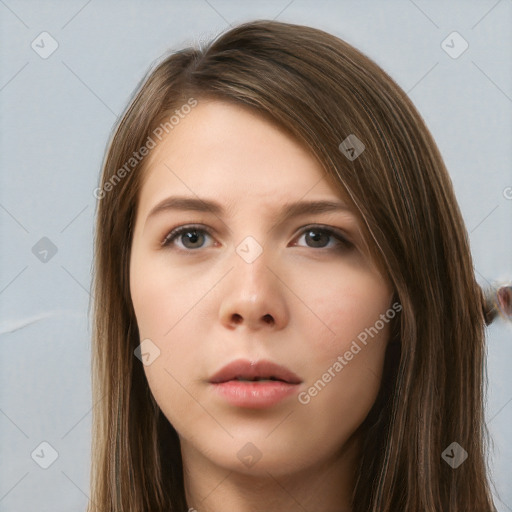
(304, 397)
(137, 156)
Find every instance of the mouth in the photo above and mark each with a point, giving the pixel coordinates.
(258, 379)
(243, 370)
(254, 385)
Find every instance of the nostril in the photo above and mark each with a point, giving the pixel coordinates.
(237, 318)
(268, 319)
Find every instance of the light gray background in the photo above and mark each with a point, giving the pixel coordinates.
(56, 116)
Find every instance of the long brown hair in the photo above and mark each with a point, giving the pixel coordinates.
(322, 90)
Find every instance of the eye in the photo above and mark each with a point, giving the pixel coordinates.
(192, 237)
(317, 235)
(192, 240)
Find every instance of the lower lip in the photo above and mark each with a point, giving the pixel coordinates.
(255, 395)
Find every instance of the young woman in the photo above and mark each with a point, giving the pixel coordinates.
(285, 308)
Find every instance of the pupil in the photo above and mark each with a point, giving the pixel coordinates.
(318, 235)
(191, 236)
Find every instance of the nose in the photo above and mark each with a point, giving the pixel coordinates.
(252, 296)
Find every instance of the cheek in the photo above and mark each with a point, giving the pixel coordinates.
(346, 360)
(161, 295)
(150, 302)
(345, 373)
(347, 305)
(161, 299)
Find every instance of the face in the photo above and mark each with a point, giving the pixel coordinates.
(244, 281)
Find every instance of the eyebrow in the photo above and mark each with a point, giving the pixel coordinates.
(288, 211)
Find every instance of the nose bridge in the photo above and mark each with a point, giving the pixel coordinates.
(252, 276)
(257, 262)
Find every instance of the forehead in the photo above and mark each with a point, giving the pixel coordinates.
(235, 154)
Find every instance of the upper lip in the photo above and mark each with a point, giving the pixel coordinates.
(245, 369)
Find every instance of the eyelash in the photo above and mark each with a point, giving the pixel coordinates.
(343, 243)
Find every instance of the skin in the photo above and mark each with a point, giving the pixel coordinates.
(299, 304)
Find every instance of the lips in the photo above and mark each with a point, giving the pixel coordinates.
(245, 370)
